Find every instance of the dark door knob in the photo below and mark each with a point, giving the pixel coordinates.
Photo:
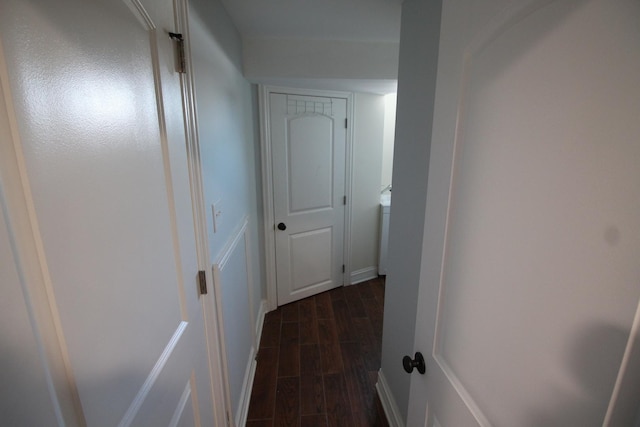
(417, 362)
(281, 226)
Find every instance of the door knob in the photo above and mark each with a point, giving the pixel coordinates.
(417, 362)
(281, 226)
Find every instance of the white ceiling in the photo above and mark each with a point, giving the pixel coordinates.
(321, 20)
(353, 20)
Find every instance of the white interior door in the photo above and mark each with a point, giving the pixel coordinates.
(104, 170)
(308, 137)
(530, 282)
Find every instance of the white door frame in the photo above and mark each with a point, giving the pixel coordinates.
(267, 182)
(211, 302)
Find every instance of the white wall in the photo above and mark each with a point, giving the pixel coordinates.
(416, 91)
(368, 124)
(319, 59)
(388, 139)
(226, 108)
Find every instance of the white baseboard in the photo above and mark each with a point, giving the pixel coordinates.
(388, 402)
(245, 396)
(364, 274)
(250, 371)
(262, 310)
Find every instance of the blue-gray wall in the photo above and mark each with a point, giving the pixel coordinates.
(228, 133)
(419, 40)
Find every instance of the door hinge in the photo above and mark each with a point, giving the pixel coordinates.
(181, 63)
(202, 282)
(345, 123)
(343, 268)
(344, 200)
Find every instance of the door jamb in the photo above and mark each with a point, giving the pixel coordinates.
(267, 183)
(213, 321)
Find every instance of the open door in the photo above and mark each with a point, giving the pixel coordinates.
(530, 284)
(100, 166)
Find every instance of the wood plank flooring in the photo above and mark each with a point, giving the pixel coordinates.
(318, 361)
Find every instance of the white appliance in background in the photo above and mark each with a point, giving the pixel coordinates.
(385, 207)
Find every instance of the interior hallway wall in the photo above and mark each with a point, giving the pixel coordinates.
(388, 139)
(227, 127)
(368, 121)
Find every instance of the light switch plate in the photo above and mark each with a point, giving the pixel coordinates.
(216, 211)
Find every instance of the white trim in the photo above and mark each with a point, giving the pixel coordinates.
(142, 394)
(619, 406)
(141, 14)
(250, 285)
(262, 311)
(250, 372)
(182, 403)
(267, 199)
(231, 245)
(267, 181)
(348, 185)
(388, 402)
(364, 274)
(211, 302)
(245, 395)
(217, 268)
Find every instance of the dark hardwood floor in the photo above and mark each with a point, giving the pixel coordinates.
(318, 361)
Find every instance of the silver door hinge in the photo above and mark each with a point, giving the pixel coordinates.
(344, 200)
(345, 123)
(181, 63)
(202, 282)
